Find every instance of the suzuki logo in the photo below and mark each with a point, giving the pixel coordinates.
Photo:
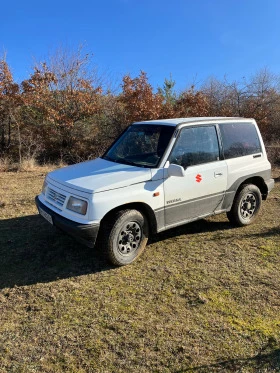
(198, 178)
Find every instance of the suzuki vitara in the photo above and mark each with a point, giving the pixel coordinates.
(157, 175)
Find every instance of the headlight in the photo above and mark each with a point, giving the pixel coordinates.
(44, 187)
(77, 205)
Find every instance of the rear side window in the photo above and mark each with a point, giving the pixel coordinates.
(239, 139)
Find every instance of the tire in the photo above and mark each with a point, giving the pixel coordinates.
(124, 237)
(246, 206)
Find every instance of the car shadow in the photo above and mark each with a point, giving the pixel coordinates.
(275, 231)
(195, 227)
(32, 251)
(263, 362)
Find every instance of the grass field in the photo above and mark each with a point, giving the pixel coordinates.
(204, 297)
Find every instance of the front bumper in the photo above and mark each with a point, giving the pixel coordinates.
(84, 233)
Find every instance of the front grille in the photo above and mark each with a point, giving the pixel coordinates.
(56, 197)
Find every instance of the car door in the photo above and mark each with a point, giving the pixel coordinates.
(201, 190)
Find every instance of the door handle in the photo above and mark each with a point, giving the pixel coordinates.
(218, 174)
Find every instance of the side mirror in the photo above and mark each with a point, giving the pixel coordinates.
(175, 170)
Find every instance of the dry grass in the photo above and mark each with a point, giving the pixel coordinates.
(202, 298)
(27, 165)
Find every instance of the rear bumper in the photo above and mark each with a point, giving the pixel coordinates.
(270, 185)
(84, 233)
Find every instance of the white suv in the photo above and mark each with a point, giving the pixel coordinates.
(158, 175)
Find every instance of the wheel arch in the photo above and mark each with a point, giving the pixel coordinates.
(259, 182)
(142, 207)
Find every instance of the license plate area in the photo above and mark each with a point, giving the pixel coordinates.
(46, 215)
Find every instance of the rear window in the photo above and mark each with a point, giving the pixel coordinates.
(239, 139)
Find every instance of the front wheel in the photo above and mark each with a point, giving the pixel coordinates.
(246, 205)
(125, 236)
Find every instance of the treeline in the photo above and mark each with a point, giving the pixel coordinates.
(64, 110)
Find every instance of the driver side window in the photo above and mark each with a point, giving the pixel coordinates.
(195, 145)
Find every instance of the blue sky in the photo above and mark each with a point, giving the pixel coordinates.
(190, 39)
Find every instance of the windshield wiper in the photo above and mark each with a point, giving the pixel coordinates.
(107, 158)
(122, 160)
(125, 161)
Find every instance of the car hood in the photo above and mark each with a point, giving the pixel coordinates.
(99, 175)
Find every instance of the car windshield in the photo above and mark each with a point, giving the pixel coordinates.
(140, 145)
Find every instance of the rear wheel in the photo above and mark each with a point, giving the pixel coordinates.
(246, 205)
(124, 237)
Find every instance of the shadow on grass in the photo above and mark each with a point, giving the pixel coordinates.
(269, 362)
(275, 231)
(32, 251)
(198, 226)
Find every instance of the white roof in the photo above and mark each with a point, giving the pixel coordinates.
(193, 120)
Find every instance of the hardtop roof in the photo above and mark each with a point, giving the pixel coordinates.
(191, 120)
